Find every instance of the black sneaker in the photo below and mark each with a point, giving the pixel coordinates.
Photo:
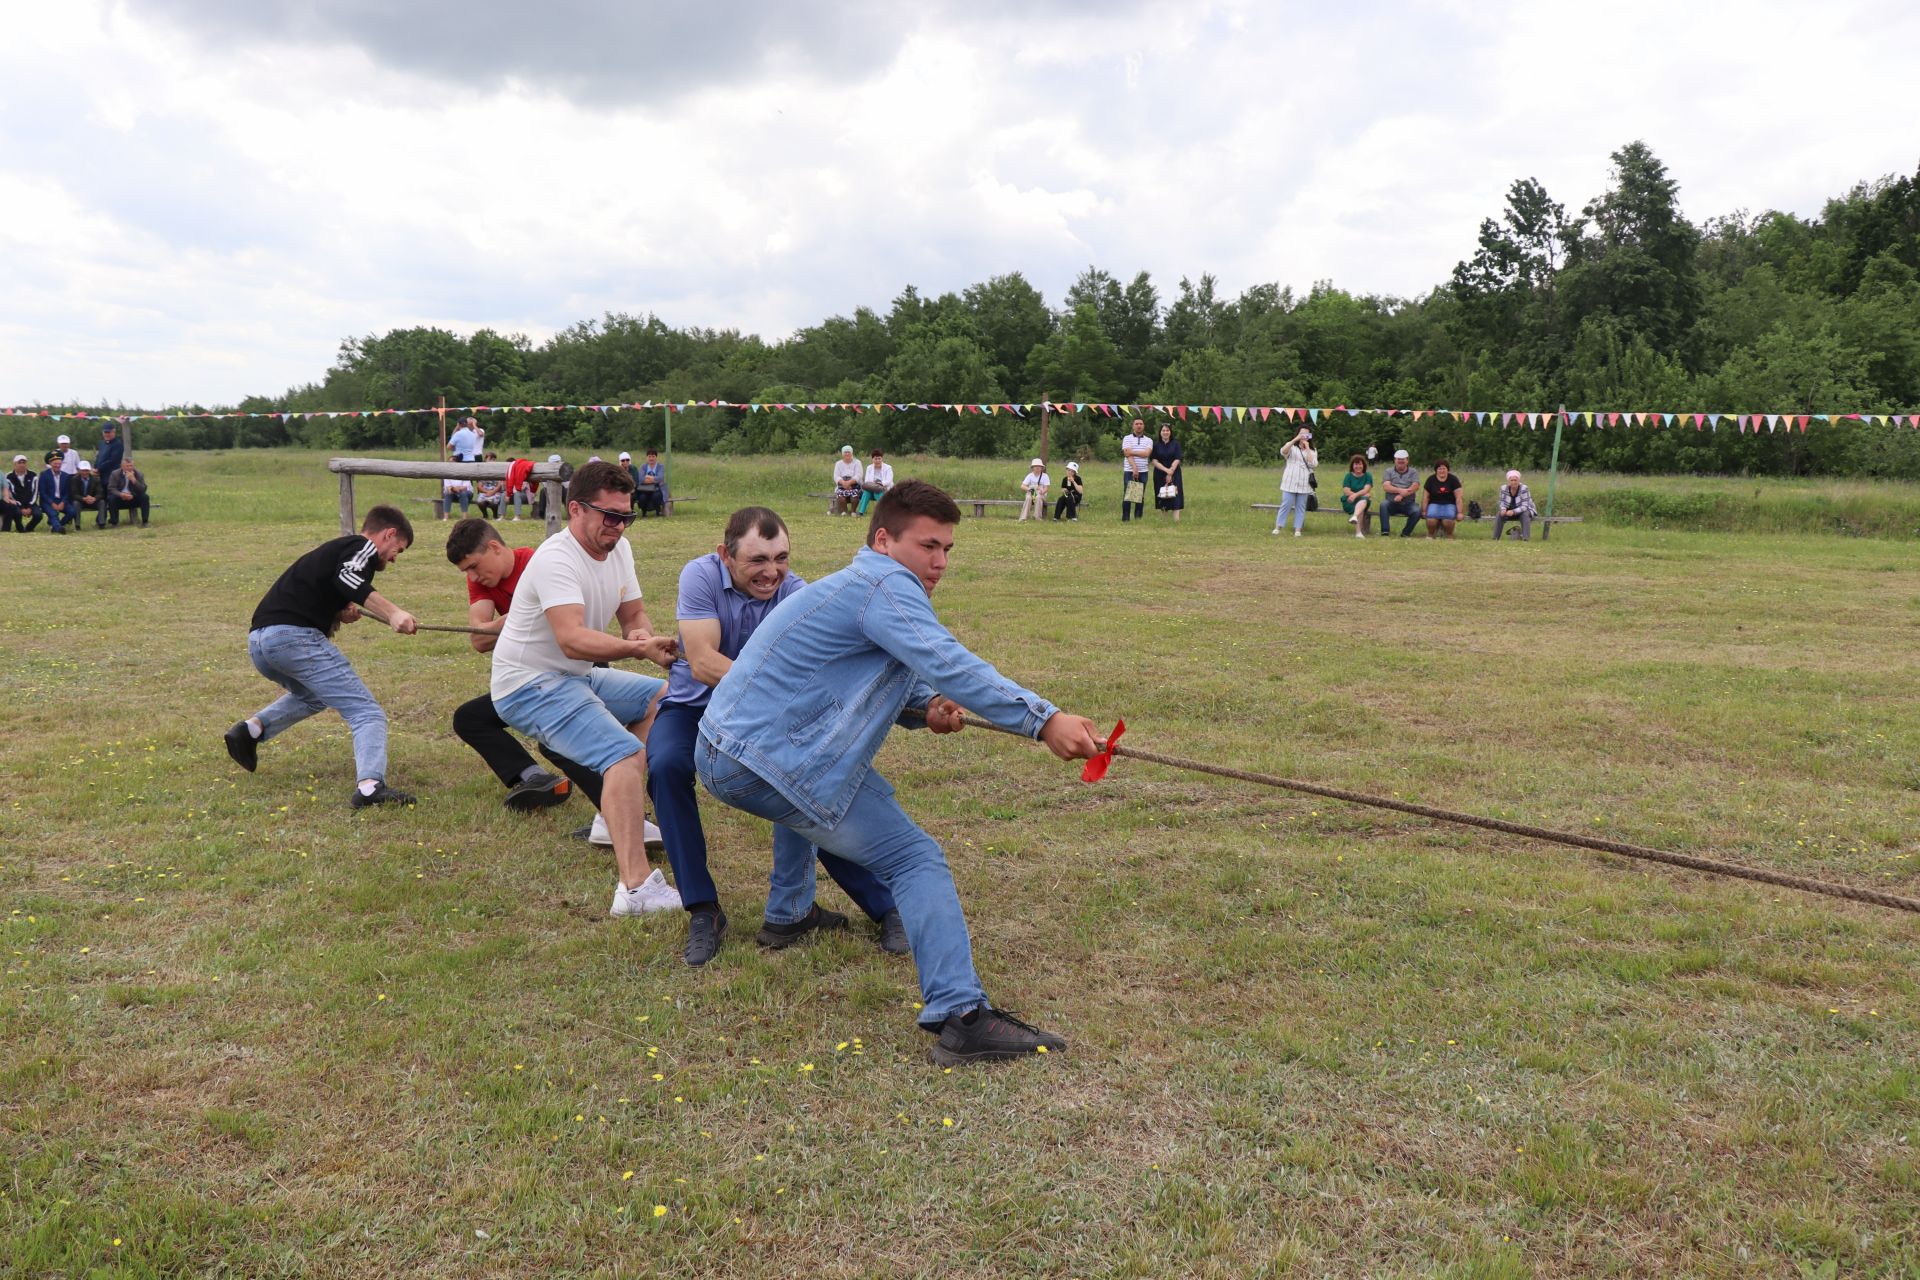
(538, 791)
(778, 936)
(705, 928)
(893, 935)
(243, 747)
(987, 1034)
(382, 794)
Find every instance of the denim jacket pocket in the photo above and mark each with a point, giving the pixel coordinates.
(809, 723)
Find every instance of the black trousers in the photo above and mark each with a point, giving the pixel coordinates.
(138, 502)
(16, 518)
(478, 725)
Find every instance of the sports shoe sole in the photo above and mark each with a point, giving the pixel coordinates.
(245, 748)
(527, 796)
(945, 1057)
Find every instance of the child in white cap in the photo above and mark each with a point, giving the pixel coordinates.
(1034, 486)
(1072, 489)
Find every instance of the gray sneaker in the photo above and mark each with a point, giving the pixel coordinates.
(893, 935)
(987, 1034)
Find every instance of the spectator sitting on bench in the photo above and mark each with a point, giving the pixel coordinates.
(89, 496)
(878, 479)
(1513, 501)
(846, 483)
(1072, 489)
(20, 498)
(1033, 490)
(1400, 487)
(56, 494)
(491, 496)
(127, 491)
(1442, 510)
(650, 487)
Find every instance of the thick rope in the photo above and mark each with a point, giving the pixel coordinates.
(1711, 866)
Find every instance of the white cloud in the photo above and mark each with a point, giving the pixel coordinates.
(205, 218)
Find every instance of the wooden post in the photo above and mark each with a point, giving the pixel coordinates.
(1553, 472)
(346, 502)
(440, 495)
(1046, 414)
(556, 509)
(666, 467)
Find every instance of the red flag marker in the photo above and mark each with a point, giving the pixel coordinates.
(1096, 768)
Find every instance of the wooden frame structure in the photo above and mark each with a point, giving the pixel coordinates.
(549, 475)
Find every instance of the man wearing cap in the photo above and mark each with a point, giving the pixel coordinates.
(877, 480)
(1135, 450)
(1071, 491)
(1515, 503)
(89, 496)
(69, 457)
(650, 486)
(1034, 486)
(1401, 483)
(846, 483)
(56, 493)
(106, 459)
(20, 498)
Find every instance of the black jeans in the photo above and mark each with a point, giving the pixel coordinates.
(1067, 504)
(115, 505)
(649, 500)
(1138, 508)
(1408, 507)
(478, 725)
(14, 517)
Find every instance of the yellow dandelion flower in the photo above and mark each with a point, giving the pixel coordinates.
(806, 1066)
(627, 1176)
(946, 1122)
(659, 1211)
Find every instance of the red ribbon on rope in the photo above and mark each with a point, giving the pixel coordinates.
(1096, 768)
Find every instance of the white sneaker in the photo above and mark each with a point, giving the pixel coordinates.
(1296, 533)
(601, 836)
(653, 894)
(1353, 519)
(1275, 531)
(1359, 533)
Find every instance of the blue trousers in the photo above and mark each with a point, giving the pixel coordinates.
(876, 833)
(316, 676)
(676, 806)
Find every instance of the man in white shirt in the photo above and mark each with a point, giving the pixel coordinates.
(545, 683)
(1135, 450)
(69, 457)
(464, 444)
(878, 480)
(1034, 486)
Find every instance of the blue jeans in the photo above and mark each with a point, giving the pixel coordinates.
(790, 891)
(1297, 504)
(1408, 507)
(57, 513)
(877, 834)
(317, 676)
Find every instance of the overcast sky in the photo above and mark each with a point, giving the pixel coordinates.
(200, 198)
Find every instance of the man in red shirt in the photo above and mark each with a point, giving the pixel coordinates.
(493, 570)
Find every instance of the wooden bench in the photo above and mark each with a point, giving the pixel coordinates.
(1375, 511)
(979, 505)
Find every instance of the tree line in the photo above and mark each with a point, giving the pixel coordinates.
(1623, 306)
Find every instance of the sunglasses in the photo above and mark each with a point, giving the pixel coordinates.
(616, 519)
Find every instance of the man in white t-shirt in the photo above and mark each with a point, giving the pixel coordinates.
(1135, 449)
(69, 456)
(1034, 486)
(545, 683)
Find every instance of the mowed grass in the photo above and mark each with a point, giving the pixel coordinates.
(243, 1032)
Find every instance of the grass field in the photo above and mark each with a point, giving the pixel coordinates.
(245, 1033)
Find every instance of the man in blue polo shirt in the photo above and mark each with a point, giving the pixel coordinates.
(724, 596)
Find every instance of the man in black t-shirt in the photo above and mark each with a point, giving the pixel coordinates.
(291, 644)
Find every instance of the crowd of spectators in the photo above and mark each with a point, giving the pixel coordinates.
(69, 492)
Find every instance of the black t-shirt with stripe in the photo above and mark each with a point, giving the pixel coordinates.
(317, 586)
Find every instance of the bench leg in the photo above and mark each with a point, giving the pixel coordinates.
(979, 511)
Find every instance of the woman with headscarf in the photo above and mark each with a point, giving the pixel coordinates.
(1169, 483)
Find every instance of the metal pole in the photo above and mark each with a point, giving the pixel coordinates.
(666, 465)
(1046, 415)
(1553, 472)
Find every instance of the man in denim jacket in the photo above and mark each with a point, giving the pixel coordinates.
(793, 726)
